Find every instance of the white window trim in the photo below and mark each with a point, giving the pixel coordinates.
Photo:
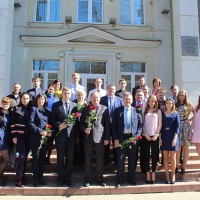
(109, 58)
(132, 14)
(48, 12)
(90, 13)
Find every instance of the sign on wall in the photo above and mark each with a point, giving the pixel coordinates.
(190, 46)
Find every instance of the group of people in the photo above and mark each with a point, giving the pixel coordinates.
(145, 120)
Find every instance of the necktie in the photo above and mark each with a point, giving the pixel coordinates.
(127, 119)
(111, 107)
(67, 108)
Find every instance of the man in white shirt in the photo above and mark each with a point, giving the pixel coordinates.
(75, 86)
(98, 83)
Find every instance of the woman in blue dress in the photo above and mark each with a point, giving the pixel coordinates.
(169, 141)
(4, 136)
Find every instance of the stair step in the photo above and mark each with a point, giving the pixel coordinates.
(78, 189)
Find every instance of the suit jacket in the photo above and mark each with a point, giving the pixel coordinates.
(37, 121)
(101, 130)
(118, 123)
(134, 91)
(140, 110)
(32, 93)
(59, 116)
(117, 101)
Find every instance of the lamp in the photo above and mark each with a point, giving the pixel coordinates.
(112, 21)
(68, 20)
(17, 5)
(165, 12)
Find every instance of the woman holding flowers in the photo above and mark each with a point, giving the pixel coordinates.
(150, 143)
(169, 138)
(38, 120)
(79, 153)
(20, 136)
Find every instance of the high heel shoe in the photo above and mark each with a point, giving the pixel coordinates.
(167, 182)
(176, 170)
(172, 182)
(182, 171)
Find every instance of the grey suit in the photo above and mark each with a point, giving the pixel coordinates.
(98, 134)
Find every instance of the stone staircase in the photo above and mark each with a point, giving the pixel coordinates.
(190, 181)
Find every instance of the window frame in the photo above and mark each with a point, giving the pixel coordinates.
(90, 13)
(48, 12)
(45, 72)
(132, 14)
(134, 74)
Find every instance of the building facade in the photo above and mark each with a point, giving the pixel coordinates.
(109, 39)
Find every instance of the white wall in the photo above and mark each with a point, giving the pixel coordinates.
(6, 24)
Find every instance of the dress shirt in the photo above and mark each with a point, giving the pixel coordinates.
(101, 92)
(74, 90)
(127, 120)
(65, 107)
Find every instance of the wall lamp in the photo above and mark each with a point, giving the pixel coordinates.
(17, 5)
(113, 21)
(68, 20)
(165, 12)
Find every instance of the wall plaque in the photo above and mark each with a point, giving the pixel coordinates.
(190, 46)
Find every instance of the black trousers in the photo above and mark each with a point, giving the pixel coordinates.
(89, 146)
(22, 148)
(65, 150)
(151, 149)
(38, 160)
(121, 156)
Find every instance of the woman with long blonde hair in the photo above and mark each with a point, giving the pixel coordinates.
(150, 142)
(184, 109)
(169, 141)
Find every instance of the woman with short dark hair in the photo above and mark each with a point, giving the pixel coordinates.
(4, 136)
(37, 122)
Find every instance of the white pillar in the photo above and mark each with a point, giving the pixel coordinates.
(6, 27)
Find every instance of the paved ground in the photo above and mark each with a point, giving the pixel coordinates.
(152, 196)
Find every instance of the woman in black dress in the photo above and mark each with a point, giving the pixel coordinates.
(38, 119)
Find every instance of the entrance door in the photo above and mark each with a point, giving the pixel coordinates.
(89, 71)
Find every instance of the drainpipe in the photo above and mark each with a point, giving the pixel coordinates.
(172, 40)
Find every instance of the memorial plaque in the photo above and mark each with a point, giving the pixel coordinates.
(190, 46)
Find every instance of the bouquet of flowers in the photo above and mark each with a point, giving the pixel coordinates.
(44, 138)
(81, 106)
(71, 119)
(127, 142)
(92, 117)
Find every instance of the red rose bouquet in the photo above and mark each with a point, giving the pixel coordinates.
(92, 117)
(44, 139)
(71, 119)
(127, 142)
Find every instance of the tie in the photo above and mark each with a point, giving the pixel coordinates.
(67, 108)
(111, 107)
(127, 119)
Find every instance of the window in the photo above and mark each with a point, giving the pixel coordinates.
(132, 12)
(47, 10)
(90, 11)
(130, 72)
(47, 70)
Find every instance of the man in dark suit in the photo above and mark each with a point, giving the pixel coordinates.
(35, 90)
(126, 123)
(139, 104)
(65, 139)
(141, 82)
(111, 102)
(15, 96)
(122, 90)
(97, 137)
